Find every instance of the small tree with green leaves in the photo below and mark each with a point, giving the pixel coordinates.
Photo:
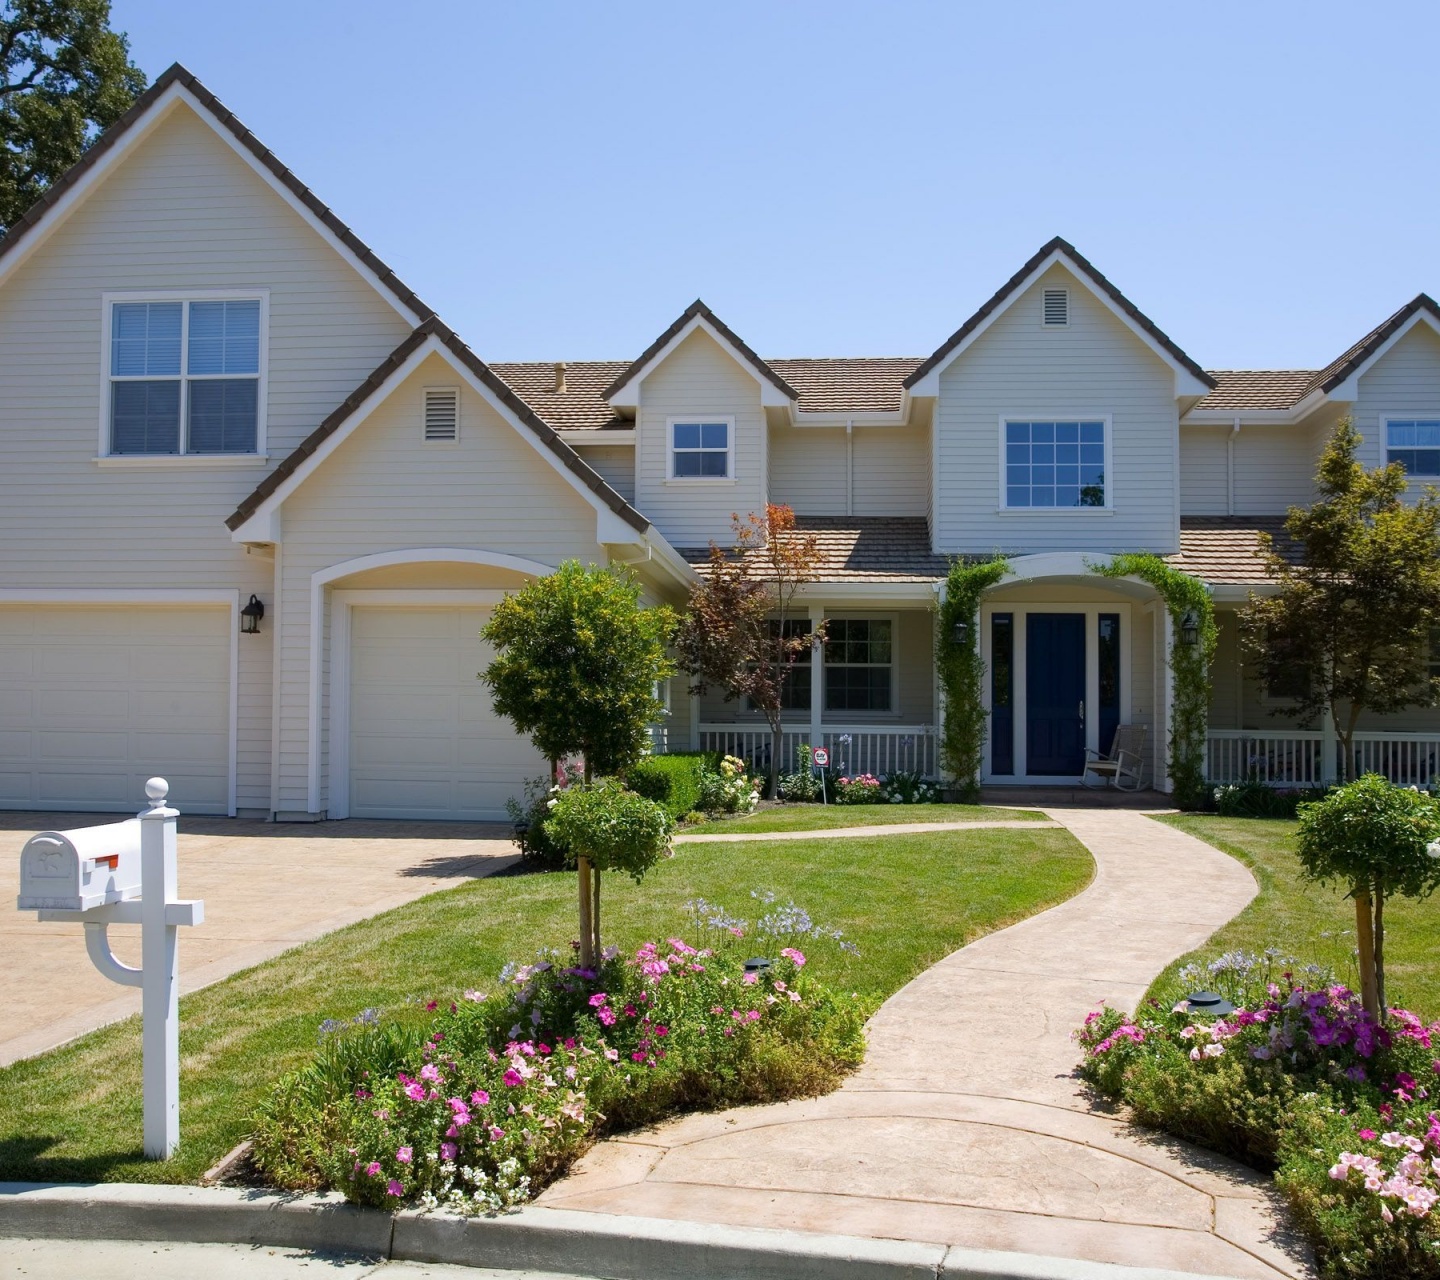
(64, 76)
(577, 668)
(1373, 838)
(1349, 628)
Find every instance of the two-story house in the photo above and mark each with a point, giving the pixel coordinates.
(257, 501)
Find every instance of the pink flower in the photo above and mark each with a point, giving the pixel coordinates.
(513, 1078)
(796, 957)
(373, 1168)
(607, 1016)
(415, 1092)
(479, 1098)
(394, 1189)
(1366, 1135)
(750, 979)
(662, 1031)
(598, 999)
(448, 1151)
(496, 1133)
(612, 1054)
(403, 1155)
(430, 1072)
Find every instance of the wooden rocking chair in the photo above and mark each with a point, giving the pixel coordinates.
(1125, 761)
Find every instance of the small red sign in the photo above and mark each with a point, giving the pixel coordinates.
(821, 757)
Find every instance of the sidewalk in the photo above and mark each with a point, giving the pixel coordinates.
(965, 1125)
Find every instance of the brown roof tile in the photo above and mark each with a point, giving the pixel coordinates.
(1225, 549)
(1241, 389)
(864, 549)
(858, 384)
(580, 407)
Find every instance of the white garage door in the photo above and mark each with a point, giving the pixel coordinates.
(94, 700)
(425, 741)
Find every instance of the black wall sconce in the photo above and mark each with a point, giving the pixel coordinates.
(250, 617)
(960, 633)
(1190, 628)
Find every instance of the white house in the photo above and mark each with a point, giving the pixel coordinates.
(211, 393)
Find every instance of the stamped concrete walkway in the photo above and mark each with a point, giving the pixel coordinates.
(267, 887)
(965, 1125)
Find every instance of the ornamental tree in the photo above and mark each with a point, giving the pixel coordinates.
(1349, 628)
(741, 632)
(613, 830)
(577, 667)
(1372, 837)
(64, 76)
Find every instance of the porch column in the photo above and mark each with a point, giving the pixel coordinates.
(817, 678)
(694, 722)
(1167, 703)
(1329, 749)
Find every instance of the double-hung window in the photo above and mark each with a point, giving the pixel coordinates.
(184, 376)
(1415, 444)
(1054, 465)
(701, 449)
(859, 664)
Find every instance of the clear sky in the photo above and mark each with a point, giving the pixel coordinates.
(559, 180)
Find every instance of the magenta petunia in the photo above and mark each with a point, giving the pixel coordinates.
(513, 1079)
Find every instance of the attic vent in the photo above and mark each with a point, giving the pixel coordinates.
(442, 413)
(1057, 306)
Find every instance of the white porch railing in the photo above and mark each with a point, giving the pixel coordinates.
(877, 749)
(1296, 758)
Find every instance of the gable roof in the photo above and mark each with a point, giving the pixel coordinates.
(1006, 292)
(1348, 362)
(23, 230)
(697, 310)
(446, 337)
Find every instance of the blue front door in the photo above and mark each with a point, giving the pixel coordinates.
(1055, 694)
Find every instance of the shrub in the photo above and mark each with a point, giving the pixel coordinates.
(803, 787)
(496, 1096)
(908, 786)
(1304, 1081)
(672, 781)
(727, 788)
(863, 788)
(1256, 800)
(538, 847)
(615, 829)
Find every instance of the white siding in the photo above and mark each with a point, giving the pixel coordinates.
(616, 465)
(807, 469)
(1406, 379)
(183, 212)
(1204, 482)
(383, 489)
(892, 471)
(1274, 470)
(1093, 366)
(699, 379)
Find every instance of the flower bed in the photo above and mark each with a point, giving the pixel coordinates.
(1302, 1081)
(479, 1109)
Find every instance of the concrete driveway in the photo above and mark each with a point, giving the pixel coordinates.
(266, 886)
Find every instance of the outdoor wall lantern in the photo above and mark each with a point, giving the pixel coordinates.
(1208, 1004)
(250, 617)
(960, 633)
(756, 965)
(1190, 628)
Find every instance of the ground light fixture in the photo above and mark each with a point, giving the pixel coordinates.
(1208, 1004)
(756, 964)
(250, 617)
(1190, 628)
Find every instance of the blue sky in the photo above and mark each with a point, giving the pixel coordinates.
(561, 180)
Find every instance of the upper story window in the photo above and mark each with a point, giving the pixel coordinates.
(1415, 444)
(701, 449)
(184, 375)
(1055, 465)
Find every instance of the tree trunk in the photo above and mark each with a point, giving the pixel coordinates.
(777, 746)
(1380, 945)
(1365, 945)
(595, 920)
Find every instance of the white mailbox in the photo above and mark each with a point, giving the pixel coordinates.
(81, 869)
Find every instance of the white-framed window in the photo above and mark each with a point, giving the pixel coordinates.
(184, 374)
(1414, 442)
(1055, 464)
(700, 448)
(859, 664)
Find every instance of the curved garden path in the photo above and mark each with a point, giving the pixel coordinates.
(965, 1124)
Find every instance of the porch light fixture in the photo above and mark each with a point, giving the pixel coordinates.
(1190, 628)
(250, 617)
(1208, 1004)
(960, 633)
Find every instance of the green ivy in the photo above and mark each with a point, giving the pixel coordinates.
(1190, 713)
(962, 741)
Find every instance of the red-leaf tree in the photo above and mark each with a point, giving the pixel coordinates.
(741, 633)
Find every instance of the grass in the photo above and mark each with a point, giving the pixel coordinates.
(907, 900)
(819, 817)
(1310, 923)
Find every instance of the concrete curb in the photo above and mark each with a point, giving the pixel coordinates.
(556, 1240)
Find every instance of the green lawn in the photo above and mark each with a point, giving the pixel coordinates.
(819, 817)
(906, 900)
(1311, 923)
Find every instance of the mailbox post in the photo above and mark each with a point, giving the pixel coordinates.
(125, 873)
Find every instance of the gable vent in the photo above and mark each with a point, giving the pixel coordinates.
(1057, 306)
(442, 413)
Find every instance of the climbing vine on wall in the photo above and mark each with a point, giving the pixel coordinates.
(962, 743)
(1190, 713)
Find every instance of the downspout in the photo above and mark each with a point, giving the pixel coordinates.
(1230, 466)
(849, 466)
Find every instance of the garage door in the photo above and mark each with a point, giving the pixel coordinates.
(95, 700)
(425, 741)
